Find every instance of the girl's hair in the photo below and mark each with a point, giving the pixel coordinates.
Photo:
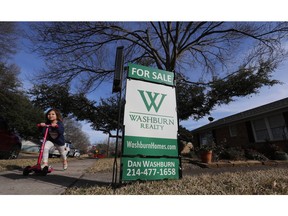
(57, 112)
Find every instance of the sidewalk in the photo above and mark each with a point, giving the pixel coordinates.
(55, 183)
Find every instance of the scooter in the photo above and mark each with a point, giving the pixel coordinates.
(37, 168)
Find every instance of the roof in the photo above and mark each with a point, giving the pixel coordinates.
(274, 106)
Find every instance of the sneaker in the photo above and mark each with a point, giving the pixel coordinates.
(45, 170)
(65, 166)
(43, 165)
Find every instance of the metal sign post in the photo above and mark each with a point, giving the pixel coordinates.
(117, 87)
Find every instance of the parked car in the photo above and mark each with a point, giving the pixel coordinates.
(77, 153)
(10, 142)
(55, 153)
(74, 152)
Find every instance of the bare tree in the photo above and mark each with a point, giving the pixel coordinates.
(8, 40)
(209, 56)
(74, 133)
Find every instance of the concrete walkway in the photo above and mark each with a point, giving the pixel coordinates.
(55, 183)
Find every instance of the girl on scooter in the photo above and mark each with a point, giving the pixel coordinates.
(55, 137)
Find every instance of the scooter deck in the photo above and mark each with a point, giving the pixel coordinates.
(37, 169)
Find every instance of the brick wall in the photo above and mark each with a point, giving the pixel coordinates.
(223, 135)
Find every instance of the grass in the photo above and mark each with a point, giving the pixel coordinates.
(273, 181)
(264, 182)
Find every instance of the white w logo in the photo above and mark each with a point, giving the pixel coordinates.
(152, 100)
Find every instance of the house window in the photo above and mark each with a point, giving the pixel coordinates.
(277, 127)
(261, 131)
(233, 130)
(270, 128)
(206, 138)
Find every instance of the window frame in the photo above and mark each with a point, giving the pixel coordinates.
(233, 131)
(268, 128)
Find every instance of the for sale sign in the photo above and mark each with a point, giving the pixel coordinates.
(150, 118)
(151, 125)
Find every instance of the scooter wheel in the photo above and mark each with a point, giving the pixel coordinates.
(45, 170)
(26, 171)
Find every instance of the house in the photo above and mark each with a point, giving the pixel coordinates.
(256, 128)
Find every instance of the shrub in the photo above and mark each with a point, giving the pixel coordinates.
(252, 154)
(232, 153)
(269, 150)
(280, 155)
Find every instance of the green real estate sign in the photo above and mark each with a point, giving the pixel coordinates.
(150, 119)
